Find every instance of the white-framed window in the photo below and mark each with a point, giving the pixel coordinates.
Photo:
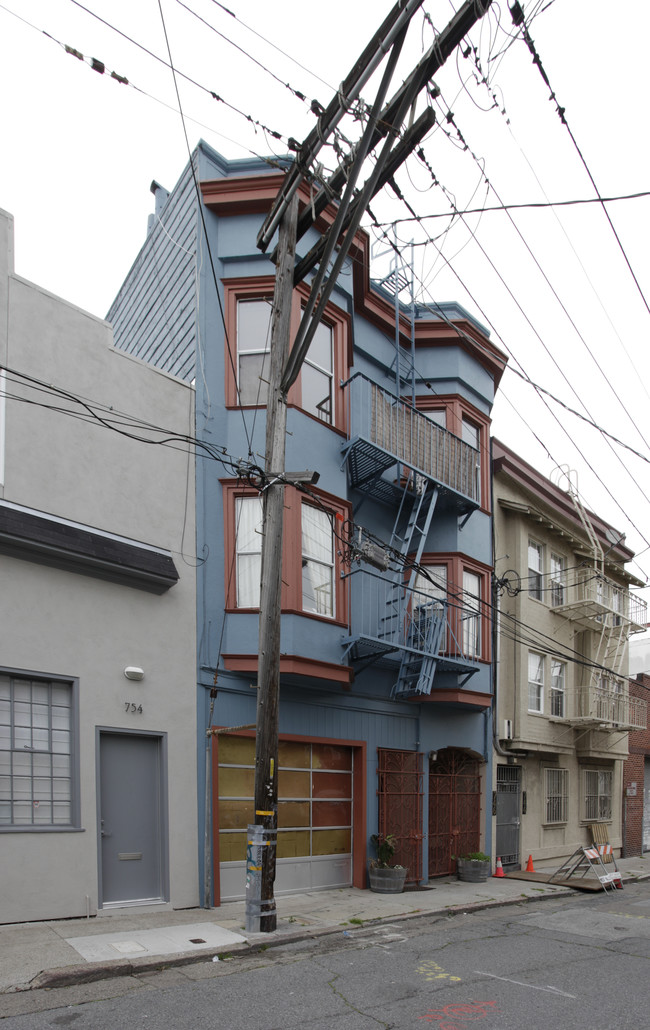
(597, 794)
(38, 772)
(317, 562)
(556, 795)
(248, 537)
(557, 577)
(535, 682)
(317, 373)
(253, 349)
(471, 618)
(535, 569)
(558, 688)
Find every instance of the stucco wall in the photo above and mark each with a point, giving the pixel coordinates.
(57, 622)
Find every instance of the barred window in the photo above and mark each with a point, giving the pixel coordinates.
(597, 788)
(37, 751)
(556, 795)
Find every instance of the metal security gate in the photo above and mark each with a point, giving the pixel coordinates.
(400, 790)
(508, 808)
(454, 809)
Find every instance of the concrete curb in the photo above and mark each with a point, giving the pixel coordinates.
(91, 972)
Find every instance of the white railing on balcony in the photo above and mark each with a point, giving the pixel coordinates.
(400, 430)
(594, 597)
(611, 708)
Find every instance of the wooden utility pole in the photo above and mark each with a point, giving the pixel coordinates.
(268, 668)
(285, 367)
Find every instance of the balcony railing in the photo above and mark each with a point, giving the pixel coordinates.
(390, 619)
(594, 600)
(611, 709)
(386, 431)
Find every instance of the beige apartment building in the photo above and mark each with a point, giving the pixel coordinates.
(564, 612)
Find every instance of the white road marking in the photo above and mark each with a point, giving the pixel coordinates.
(534, 987)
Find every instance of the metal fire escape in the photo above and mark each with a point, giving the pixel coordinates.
(610, 614)
(400, 458)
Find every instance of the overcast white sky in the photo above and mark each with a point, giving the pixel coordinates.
(80, 150)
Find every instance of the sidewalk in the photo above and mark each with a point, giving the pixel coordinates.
(133, 940)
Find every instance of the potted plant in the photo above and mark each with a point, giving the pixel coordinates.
(473, 867)
(385, 877)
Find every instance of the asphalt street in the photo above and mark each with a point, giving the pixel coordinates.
(578, 960)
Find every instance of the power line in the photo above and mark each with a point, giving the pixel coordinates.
(99, 66)
(527, 206)
(582, 455)
(518, 19)
(188, 78)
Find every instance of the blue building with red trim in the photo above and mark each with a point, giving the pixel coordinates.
(385, 702)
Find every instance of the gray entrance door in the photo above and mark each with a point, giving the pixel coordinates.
(131, 825)
(508, 818)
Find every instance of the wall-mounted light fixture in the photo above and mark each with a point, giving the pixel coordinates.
(132, 672)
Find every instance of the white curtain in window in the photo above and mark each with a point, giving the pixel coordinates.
(317, 562)
(248, 531)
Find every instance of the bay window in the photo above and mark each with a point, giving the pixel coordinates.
(463, 584)
(317, 390)
(311, 580)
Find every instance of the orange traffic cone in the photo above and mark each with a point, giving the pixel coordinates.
(499, 869)
(529, 865)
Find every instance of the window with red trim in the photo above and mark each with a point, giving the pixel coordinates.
(459, 417)
(311, 580)
(317, 390)
(465, 585)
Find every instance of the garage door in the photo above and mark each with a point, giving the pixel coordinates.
(315, 814)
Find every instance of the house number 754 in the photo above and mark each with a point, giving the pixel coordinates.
(130, 706)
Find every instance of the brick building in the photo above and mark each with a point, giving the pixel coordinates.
(636, 780)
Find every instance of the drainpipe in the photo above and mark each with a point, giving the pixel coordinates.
(495, 631)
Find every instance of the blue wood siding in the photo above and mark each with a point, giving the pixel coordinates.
(154, 314)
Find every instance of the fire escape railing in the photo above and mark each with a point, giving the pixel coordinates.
(386, 431)
(394, 624)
